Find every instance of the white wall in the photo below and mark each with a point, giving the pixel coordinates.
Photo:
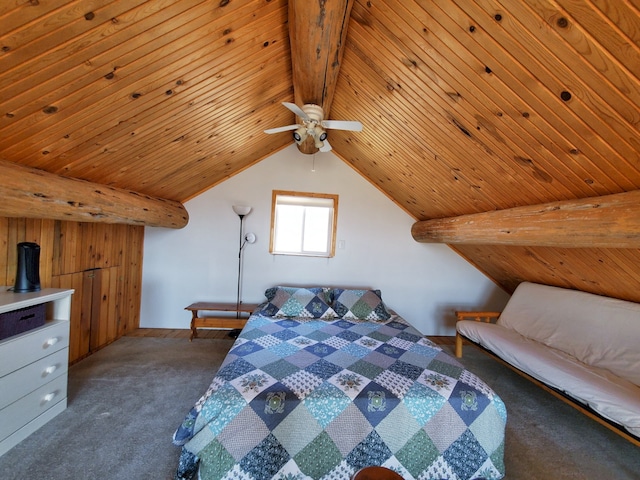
(424, 283)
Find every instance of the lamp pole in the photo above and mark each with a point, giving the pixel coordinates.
(242, 211)
(240, 245)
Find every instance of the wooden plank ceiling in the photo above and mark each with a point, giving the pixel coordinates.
(467, 106)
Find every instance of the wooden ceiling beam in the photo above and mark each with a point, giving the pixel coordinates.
(28, 192)
(609, 221)
(317, 33)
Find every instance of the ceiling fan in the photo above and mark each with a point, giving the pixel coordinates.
(314, 125)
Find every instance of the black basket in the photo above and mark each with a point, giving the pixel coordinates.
(18, 321)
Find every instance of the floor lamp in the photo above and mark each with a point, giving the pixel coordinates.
(242, 211)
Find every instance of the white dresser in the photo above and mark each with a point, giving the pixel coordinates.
(33, 366)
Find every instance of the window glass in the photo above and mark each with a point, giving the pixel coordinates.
(303, 223)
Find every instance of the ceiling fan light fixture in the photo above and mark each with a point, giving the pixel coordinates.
(319, 133)
(313, 124)
(299, 135)
(319, 136)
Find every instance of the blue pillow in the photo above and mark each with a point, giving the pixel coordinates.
(359, 304)
(298, 302)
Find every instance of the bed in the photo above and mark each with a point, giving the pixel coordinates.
(322, 382)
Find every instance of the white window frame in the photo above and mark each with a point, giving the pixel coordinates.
(304, 200)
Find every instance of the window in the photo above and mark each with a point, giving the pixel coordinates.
(303, 224)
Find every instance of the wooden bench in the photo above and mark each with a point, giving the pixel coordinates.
(218, 321)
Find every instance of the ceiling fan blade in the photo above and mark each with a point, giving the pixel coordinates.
(297, 110)
(282, 129)
(350, 125)
(326, 147)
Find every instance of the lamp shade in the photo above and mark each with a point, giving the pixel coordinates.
(241, 210)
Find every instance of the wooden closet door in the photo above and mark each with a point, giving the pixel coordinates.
(93, 292)
(105, 307)
(80, 327)
(95, 309)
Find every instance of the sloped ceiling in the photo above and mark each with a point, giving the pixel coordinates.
(467, 106)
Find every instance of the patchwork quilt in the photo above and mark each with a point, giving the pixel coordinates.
(320, 398)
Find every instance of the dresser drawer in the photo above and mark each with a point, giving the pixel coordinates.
(22, 411)
(28, 347)
(20, 382)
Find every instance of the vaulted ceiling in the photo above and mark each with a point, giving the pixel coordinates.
(467, 106)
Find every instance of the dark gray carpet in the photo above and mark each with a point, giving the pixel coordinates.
(126, 400)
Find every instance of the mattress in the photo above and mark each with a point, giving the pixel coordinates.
(612, 397)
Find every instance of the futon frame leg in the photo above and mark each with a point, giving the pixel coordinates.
(458, 345)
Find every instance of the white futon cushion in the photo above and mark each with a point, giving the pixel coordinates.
(599, 331)
(612, 397)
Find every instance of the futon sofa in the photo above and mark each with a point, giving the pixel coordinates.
(583, 346)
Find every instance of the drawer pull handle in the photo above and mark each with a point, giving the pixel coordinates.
(50, 370)
(48, 397)
(50, 342)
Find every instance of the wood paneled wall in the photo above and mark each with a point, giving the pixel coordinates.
(102, 262)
